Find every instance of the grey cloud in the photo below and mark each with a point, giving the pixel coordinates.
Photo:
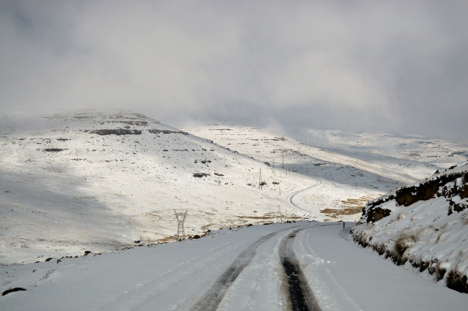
(398, 66)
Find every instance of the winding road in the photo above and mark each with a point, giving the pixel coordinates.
(291, 197)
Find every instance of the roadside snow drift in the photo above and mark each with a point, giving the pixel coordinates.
(423, 226)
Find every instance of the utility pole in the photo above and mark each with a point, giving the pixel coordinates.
(260, 179)
(279, 218)
(282, 161)
(180, 225)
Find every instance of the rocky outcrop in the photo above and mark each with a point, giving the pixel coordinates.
(154, 131)
(116, 132)
(422, 226)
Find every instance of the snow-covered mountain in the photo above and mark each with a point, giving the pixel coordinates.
(413, 148)
(353, 168)
(99, 181)
(423, 226)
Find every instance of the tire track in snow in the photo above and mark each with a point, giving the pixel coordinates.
(300, 295)
(151, 287)
(212, 298)
(328, 277)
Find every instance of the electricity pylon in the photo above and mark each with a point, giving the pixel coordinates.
(279, 218)
(180, 225)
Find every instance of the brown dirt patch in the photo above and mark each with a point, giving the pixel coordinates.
(348, 207)
(166, 239)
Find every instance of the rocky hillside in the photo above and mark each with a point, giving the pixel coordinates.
(423, 226)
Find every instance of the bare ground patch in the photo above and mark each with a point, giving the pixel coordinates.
(348, 207)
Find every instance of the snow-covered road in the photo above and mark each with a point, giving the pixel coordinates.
(238, 269)
(291, 197)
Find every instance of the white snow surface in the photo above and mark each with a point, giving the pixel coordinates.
(430, 231)
(65, 189)
(342, 275)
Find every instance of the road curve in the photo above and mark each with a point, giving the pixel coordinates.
(291, 197)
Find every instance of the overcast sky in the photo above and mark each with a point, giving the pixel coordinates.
(398, 66)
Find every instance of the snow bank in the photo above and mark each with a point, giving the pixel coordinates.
(423, 226)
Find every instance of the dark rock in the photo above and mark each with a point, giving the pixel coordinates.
(376, 213)
(116, 132)
(12, 290)
(457, 281)
(154, 131)
(53, 149)
(200, 175)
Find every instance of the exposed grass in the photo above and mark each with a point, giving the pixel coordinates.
(404, 242)
(167, 239)
(348, 207)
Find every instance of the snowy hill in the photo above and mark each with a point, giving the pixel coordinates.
(353, 168)
(99, 181)
(423, 226)
(415, 149)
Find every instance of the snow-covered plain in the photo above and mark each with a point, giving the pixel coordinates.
(183, 275)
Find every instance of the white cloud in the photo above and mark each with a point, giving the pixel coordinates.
(380, 65)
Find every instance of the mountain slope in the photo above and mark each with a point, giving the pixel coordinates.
(353, 168)
(423, 226)
(100, 180)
